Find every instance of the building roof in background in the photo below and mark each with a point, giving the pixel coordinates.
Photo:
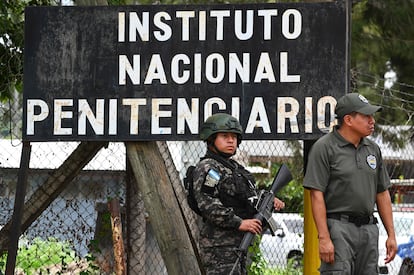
(50, 155)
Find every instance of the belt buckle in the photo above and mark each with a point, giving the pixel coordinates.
(358, 221)
(362, 220)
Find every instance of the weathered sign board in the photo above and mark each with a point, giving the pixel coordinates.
(157, 72)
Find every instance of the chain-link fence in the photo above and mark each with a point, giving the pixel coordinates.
(69, 223)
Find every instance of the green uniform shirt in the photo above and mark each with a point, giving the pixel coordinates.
(349, 177)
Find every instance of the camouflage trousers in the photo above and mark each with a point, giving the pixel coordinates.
(221, 260)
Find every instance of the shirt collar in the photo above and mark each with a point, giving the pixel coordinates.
(343, 142)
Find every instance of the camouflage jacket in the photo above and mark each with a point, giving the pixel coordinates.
(222, 189)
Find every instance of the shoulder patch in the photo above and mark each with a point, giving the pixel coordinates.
(212, 178)
(372, 161)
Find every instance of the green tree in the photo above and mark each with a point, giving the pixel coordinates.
(380, 34)
(11, 44)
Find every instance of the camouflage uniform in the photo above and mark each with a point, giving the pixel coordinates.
(222, 195)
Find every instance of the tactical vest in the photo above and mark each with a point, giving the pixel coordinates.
(236, 191)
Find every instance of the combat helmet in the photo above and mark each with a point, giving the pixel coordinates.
(219, 123)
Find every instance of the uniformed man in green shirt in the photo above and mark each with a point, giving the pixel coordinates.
(347, 177)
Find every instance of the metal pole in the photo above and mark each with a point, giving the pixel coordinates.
(15, 229)
(311, 259)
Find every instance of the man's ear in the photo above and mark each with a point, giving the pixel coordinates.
(347, 119)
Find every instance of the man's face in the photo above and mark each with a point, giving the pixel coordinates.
(363, 125)
(226, 142)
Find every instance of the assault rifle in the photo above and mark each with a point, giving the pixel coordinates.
(264, 207)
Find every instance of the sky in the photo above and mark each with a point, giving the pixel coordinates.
(67, 2)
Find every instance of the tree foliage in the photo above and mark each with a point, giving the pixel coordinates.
(380, 34)
(11, 44)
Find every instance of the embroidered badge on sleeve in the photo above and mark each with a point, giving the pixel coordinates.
(212, 178)
(372, 161)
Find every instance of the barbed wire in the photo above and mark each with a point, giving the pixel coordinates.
(380, 79)
(393, 99)
(383, 94)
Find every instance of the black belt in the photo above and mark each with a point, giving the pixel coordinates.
(357, 220)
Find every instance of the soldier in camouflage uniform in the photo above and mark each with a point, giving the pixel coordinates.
(223, 190)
